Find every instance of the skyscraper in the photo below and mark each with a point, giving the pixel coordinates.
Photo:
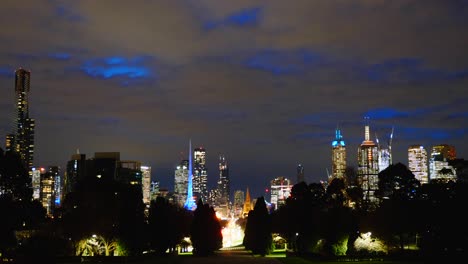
(200, 177)
(223, 182)
(417, 163)
(338, 156)
(23, 140)
(181, 177)
(146, 184)
(368, 168)
(385, 153)
(280, 190)
(438, 163)
(300, 173)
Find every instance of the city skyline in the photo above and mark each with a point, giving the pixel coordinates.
(266, 84)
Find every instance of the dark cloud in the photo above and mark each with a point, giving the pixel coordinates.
(265, 83)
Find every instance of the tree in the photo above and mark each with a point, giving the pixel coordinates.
(168, 225)
(205, 231)
(105, 208)
(258, 229)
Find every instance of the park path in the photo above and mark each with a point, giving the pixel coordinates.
(237, 256)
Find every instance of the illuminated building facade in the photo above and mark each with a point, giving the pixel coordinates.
(200, 177)
(300, 173)
(417, 163)
(146, 184)
(154, 190)
(385, 153)
(338, 157)
(10, 142)
(238, 202)
(23, 140)
(223, 182)
(181, 182)
(280, 190)
(55, 172)
(438, 163)
(45, 188)
(368, 169)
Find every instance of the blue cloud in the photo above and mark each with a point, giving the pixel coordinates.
(385, 113)
(59, 55)
(403, 70)
(6, 72)
(461, 115)
(439, 134)
(280, 62)
(244, 18)
(68, 14)
(118, 67)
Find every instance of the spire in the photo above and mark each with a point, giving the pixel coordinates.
(247, 204)
(190, 203)
(367, 130)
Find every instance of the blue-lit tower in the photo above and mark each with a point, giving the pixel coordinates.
(190, 203)
(338, 156)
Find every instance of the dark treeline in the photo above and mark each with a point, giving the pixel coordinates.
(328, 221)
(101, 217)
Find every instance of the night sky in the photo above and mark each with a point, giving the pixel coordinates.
(263, 82)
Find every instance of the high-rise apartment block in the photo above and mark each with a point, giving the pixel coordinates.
(438, 162)
(22, 141)
(417, 163)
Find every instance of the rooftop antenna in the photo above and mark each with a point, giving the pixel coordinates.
(390, 145)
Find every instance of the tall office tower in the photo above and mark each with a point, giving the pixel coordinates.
(223, 182)
(438, 163)
(190, 203)
(76, 171)
(181, 183)
(24, 137)
(54, 171)
(368, 168)
(43, 182)
(200, 178)
(10, 142)
(49, 189)
(36, 182)
(300, 173)
(338, 157)
(146, 184)
(280, 190)
(385, 153)
(154, 190)
(417, 163)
